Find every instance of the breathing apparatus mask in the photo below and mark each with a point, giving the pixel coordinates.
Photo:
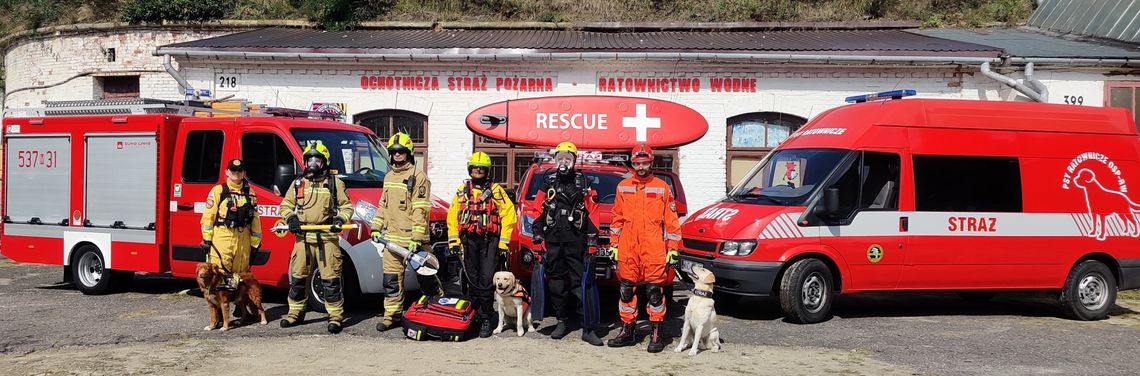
(315, 167)
(564, 161)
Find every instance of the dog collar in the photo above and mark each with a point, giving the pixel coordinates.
(703, 293)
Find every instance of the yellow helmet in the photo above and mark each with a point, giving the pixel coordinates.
(566, 146)
(400, 142)
(316, 148)
(479, 159)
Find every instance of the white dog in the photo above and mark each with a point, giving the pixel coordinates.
(700, 315)
(511, 300)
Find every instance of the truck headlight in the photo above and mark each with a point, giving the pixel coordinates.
(738, 247)
(527, 228)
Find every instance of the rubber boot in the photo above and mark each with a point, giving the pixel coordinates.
(590, 337)
(291, 321)
(485, 329)
(334, 326)
(657, 341)
(560, 330)
(625, 337)
(385, 324)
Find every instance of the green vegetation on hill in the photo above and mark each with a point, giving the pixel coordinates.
(343, 14)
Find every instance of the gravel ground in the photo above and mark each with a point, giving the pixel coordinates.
(47, 326)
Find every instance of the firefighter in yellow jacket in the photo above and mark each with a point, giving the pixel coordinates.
(318, 198)
(479, 225)
(231, 226)
(401, 218)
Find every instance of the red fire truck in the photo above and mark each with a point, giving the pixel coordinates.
(924, 194)
(110, 188)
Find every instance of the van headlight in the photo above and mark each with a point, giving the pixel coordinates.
(738, 247)
(527, 228)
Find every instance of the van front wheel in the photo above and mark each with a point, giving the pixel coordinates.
(805, 292)
(1089, 292)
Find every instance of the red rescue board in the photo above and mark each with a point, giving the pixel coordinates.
(591, 122)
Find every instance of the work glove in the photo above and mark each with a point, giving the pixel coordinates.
(454, 243)
(413, 245)
(537, 239)
(591, 241)
(503, 246)
(376, 236)
(671, 257)
(458, 251)
(206, 245)
(294, 225)
(335, 226)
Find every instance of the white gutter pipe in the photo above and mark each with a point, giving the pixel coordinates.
(1036, 84)
(1012, 83)
(185, 85)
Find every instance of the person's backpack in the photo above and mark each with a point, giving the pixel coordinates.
(439, 318)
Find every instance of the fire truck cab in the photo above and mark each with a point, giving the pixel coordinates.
(925, 194)
(107, 189)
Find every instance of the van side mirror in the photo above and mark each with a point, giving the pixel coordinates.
(829, 204)
(286, 173)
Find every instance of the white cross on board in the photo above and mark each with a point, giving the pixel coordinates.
(641, 122)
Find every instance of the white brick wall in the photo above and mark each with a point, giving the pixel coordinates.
(51, 59)
(799, 91)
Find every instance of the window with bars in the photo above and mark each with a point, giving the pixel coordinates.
(385, 123)
(753, 135)
(1124, 94)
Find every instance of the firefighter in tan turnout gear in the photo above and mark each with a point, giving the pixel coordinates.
(318, 198)
(401, 218)
(479, 225)
(231, 226)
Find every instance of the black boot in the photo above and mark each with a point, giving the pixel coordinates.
(590, 337)
(334, 327)
(291, 321)
(485, 329)
(560, 330)
(625, 338)
(657, 341)
(385, 324)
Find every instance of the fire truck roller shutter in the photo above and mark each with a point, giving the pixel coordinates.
(38, 169)
(121, 173)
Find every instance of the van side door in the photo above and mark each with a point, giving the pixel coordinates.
(199, 157)
(866, 230)
(264, 153)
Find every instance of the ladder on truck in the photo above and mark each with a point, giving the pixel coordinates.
(143, 106)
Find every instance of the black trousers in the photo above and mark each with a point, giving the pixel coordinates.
(480, 262)
(564, 264)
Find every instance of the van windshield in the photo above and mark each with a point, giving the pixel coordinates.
(356, 156)
(788, 177)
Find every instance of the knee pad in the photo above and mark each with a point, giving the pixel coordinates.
(656, 295)
(297, 288)
(391, 284)
(332, 289)
(626, 290)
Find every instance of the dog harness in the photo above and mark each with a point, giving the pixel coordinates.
(703, 293)
(520, 292)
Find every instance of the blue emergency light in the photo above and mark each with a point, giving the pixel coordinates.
(893, 94)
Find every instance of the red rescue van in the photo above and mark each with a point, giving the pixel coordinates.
(109, 195)
(925, 194)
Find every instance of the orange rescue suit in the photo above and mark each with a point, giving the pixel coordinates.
(644, 227)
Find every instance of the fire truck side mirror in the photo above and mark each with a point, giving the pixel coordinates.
(286, 173)
(829, 204)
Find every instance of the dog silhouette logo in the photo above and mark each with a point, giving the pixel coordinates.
(1105, 203)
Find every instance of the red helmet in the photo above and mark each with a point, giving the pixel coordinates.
(641, 153)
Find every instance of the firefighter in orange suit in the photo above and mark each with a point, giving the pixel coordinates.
(645, 235)
(231, 226)
(479, 225)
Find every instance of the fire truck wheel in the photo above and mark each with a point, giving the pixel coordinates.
(1089, 292)
(805, 292)
(90, 274)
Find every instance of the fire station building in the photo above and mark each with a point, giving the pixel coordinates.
(753, 86)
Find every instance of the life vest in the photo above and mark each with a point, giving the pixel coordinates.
(480, 215)
(237, 216)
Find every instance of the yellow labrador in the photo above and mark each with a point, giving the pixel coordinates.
(511, 300)
(700, 315)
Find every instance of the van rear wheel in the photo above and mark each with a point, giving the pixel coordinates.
(805, 292)
(90, 274)
(1089, 292)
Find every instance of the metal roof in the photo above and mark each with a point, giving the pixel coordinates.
(1113, 19)
(476, 42)
(1031, 43)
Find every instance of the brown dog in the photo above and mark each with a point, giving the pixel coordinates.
(247, 297)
